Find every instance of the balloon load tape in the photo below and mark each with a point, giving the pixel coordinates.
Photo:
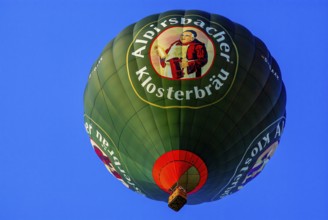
(178, 198)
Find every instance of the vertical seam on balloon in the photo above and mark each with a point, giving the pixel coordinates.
(147, 106)
(96, 96)
(209, 19)
(150, 107)
(123, 162)
(236, 93)
(236, 70)
(127, 95)
(119, 134)
(136, 114)
(102, 93)
(224, 115)
(125, 126)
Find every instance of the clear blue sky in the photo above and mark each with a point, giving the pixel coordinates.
(48, 169)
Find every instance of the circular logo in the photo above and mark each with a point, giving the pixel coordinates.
(182, 62)
(181, 53)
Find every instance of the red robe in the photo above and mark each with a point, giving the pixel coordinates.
(196, 56)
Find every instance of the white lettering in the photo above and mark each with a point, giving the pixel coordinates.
(141, 41)
(209, 30)
(169, 93)
(216, 82)
(199, 93)
(173, 21)
(185, 20)
(142, 72)
(149, 34)
(160, 92)
(137, 53)
(164, 23)
(200, 23)
(220, 36)
(178, 95)
(88, 128)
(188, 93)
(151, 88)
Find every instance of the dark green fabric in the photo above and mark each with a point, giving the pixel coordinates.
(222, 129)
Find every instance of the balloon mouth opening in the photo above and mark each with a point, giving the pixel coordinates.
(180, 168)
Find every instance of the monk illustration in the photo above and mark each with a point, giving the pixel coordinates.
(184, 58)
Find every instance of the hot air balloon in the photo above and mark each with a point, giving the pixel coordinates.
(185, 107)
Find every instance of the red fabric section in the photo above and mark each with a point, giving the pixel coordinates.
(172, 172)
(169, 167)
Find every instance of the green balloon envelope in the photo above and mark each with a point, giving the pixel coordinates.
(185, 99)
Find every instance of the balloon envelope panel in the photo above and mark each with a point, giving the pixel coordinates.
(185, 98)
